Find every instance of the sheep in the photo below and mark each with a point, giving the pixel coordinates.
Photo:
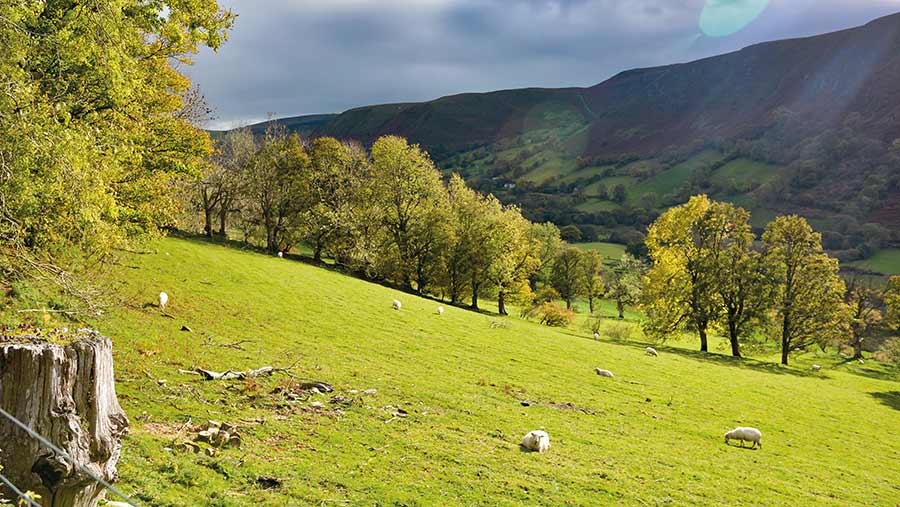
(536, 441)
(745, 435)
(440, 310)
(596, 335)
(816, 367)
(604, 373)
(163, 299)
(280, 255)
(652, 352)
(396, 305)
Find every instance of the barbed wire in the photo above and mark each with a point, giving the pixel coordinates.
(68, 458)
(17, 491)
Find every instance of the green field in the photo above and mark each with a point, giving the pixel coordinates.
(744, 171)
(886, 262)
(650, 436)
(613, 251)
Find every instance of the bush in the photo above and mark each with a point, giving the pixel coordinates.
(891, 350)
(617, 331)
(553, 315)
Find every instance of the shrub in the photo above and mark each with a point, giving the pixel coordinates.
(617, 331)
(891, 350)
(553, 315)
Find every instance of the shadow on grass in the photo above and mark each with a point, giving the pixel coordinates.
(712, 357)
(889, 398)
(854, 368)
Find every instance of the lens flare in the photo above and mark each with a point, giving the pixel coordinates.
(721, 18)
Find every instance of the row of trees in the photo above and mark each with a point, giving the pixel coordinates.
(710, 271)
(385, 213)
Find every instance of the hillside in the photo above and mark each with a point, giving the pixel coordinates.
(802, 126)
(652, 435)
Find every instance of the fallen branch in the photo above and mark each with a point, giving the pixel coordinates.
(265, 371)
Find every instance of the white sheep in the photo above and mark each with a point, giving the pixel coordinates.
(163, 299)
(280, 255)
(536, 441)
(440, 310)
(596, 335)
(816, 367)
(397, 305)
(604, 373)
(745, 435)
(652, 352)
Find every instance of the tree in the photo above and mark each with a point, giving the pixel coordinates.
(619, 194)
(93, 135)
(332, 181)
(624, 282)
(892, 303)
(274, 179)
(570, 233)
(741, 278)
(809, 293)
(567, 276)
(413, 200)
(592, 276)
(864, 302)
(515, 259)
(680, 287)
(232, 156)
(548, 236)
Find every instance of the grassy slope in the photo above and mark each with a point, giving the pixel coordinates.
(656, 436)
(886, 262)
(608, 250)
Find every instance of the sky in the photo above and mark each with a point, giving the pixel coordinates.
(293, 57)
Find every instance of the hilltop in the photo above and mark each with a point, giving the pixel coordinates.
(446, 420)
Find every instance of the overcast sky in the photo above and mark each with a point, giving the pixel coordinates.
(292, 57)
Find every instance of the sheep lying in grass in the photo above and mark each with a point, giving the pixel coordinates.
(536, 441)
(745, 435)
(396, 305)
(816, 367)
(163, 299)
(440, 310)
(604, 373)
(652, 352)
(596, 335)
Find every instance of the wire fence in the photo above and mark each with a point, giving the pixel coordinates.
(22, 496)
(63, 454)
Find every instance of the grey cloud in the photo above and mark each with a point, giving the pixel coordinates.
(309, 56)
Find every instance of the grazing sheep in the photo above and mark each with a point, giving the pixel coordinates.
(652, 352)
(536, 441)
(397, 305)
(604, 373)
(596, 335)
(745, 435)
(163, 299)
(816, 367)
(280, 255)
(440, 310)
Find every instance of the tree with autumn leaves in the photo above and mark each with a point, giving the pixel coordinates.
(707, 273)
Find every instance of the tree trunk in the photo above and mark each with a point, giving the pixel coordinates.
(223, 216)
(704, 346)
(857, 348)
(501, 303)
(66, 394)
(568, 304)
(735, 345)
(621, 308)
(207, 223)
(475, 288)
(785, 339)
(591, 304)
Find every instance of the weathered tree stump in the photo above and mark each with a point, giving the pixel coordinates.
(66, 393)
